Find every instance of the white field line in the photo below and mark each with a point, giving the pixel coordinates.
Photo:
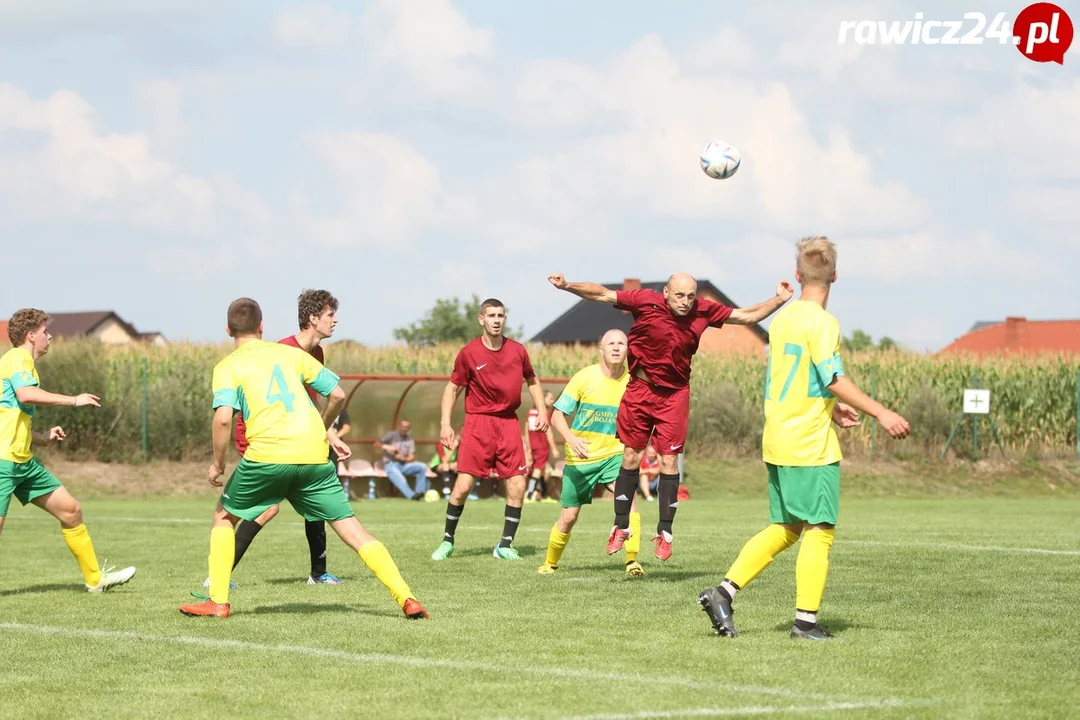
(752, 710)
(962, 546)
(411, 661)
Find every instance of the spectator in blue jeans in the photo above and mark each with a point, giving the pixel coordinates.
(399, 461)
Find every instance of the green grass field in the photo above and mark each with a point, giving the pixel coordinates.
(941, 608)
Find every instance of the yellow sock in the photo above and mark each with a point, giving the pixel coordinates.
(556, 544)
(812, 567)
(758, 552)
(78, 542)
(377, 558)
(222, 554)
(633, 544)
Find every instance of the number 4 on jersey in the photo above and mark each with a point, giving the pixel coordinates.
(282, 395)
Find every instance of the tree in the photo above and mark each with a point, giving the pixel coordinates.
(449, 321)
(861, 340)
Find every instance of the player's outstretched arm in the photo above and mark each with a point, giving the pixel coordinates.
(584, 290)
(449, 398)
(849, 393)
(33, 395)
(757, 313)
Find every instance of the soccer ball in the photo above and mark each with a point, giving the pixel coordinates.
(720, 159)
(431, 496)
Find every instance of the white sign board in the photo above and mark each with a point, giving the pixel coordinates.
(977, 401)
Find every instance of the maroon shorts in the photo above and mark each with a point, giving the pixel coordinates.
(647, 410)
(541, 453)
(489, 442)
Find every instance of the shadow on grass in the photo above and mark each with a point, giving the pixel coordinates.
(523, 550)
(35, 589)
(834, 625)
(653, 573)
(303, 581)
(314, 608)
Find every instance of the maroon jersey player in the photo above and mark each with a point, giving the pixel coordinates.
(490, 370)
(662, 341)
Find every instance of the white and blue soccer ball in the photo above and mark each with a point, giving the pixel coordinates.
(720, 159)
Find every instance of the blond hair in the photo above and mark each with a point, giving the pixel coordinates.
(816, 260)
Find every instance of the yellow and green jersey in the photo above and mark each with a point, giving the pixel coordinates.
(804, 359)
(16, 371)
(593, 399)
(265, 382)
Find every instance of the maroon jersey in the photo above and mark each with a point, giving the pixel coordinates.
(662, 343)
(492, 378)
(240, 429)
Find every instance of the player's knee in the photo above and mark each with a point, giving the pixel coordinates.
(669, 464)
(70, 515)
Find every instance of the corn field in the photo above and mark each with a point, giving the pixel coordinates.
(1033, 406)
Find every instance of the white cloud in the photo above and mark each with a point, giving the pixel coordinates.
(161, 102)
(312, 25)
(388, 190)
(660, 117)
(429, 42)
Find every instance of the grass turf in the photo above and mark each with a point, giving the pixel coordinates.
(941, 607)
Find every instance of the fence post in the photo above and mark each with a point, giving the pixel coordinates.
(873, 395)
(145, 406)
(975, 422)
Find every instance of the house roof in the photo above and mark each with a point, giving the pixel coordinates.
(83, 323)
(1017, 334)
(586, 321)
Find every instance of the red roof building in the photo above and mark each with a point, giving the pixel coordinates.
(1019, 335)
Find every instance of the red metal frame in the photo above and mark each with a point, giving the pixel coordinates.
(413, 380)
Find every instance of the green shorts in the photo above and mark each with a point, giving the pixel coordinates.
(810, 494)
(580, 481)
(25, 481)
(314, 491)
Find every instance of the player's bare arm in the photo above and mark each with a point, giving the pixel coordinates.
(33, 395)
(757, 313)
(449, 398)
(584, 290)
(334, 402)
(845, 416)
(536, 391)
(340, 447)
(53, 434)
(849, 393)
(222, 435)
(579, 445)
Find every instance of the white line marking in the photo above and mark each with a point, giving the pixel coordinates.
(753, 710)
(962, 546)
(386, 659)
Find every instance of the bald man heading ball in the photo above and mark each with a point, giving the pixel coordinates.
(662, 341)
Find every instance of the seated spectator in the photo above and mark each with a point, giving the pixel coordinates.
(341, 427)
(399, 460)
(444, 463)
(650, 472)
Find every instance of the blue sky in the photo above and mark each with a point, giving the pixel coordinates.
(161, 159)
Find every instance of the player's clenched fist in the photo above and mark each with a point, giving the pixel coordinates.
(784, 290)
(557, 280)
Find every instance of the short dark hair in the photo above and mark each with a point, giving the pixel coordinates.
(489, 303)
(245, 315)
(23, 322)
(312, 302)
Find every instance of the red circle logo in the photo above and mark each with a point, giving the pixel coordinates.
(1043, 32)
